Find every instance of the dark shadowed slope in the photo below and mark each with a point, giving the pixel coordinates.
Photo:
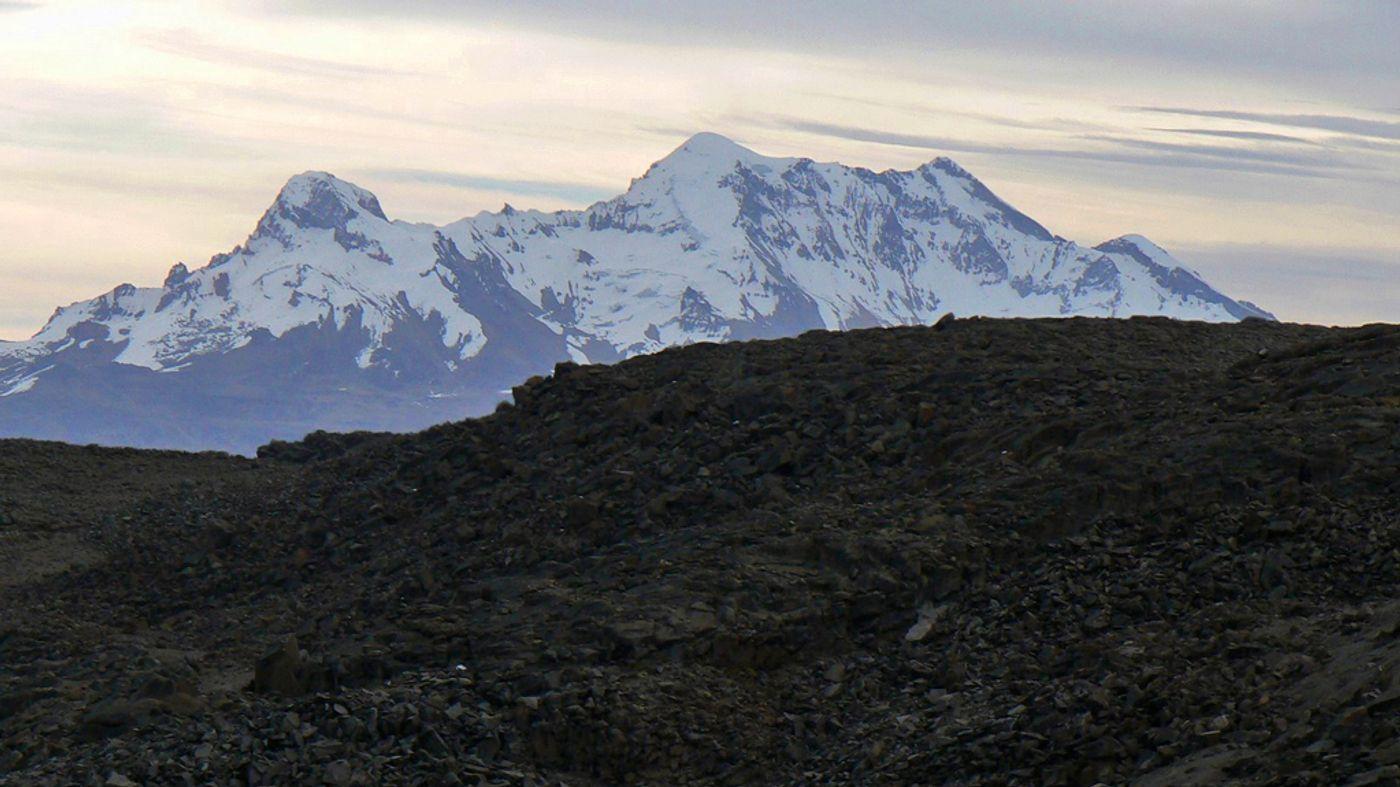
(1025, 552)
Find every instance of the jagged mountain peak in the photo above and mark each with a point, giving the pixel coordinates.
(179, 273)
(705, 157)
(317, 199)
(709, 146)
(1175, 277)
(1133, 240)
(716, 151)
(1139, 247)
(313, 184)
(949, 167)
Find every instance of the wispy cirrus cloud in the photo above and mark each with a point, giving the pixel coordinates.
(879, 136)
(1319, 285)
(294, 104)
(1342, 124)
(564, 190)
(1260, 136)
(1366, 144)
(48, 115)
(907, 107)
(1261, 153)
(1119, 150)
(192, 45)
(1339, 48)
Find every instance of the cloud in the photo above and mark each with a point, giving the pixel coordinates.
(17, 6)
(48, 115)
(1340, 49)
(581, 193)
(194, 46)
(1261, 136)
(1289, 156)
(1029, 124)
(881, 137)
(1161, 155)
(1304, 285)
(144, 185)
(1365, 143)
(1343, 124)
(316, 101)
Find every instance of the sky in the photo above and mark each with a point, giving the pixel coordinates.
(1258, 140)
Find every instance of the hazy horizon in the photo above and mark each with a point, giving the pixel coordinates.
(137, 136)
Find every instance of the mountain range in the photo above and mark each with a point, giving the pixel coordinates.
(333, 316)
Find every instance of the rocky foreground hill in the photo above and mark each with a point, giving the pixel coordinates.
(986, 552)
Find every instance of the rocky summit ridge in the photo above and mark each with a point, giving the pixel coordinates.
(331, 315)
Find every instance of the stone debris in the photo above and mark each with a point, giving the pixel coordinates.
(1001, 552)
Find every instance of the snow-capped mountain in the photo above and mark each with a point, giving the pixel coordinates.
(331, 315)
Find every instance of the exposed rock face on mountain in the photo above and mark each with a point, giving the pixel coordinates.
(1000, 552)
(332, 316)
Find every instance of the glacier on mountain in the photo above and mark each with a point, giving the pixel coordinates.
(714, 242)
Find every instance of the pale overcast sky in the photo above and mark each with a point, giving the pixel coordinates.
(1258, 139)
